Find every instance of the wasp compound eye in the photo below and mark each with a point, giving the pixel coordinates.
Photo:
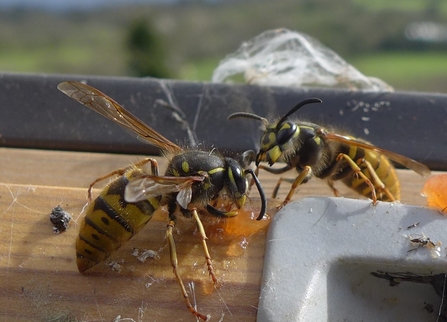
(286, 133)
(237, 176)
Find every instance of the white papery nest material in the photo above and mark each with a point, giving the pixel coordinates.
(282, 57)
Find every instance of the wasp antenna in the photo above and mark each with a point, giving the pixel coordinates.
(248, 116)
(261, 193)
(297, 107)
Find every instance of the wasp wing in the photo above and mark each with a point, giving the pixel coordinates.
(403, 160)
(148, 186)
(109, 108)
(184, 197)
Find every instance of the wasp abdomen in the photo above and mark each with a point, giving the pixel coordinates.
(110, 221)
(383, 169)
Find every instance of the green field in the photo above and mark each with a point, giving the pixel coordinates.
(368, 34)
(403, 5)
(407, 71)
(425, 71)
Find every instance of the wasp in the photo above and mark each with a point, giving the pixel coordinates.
(317, 151)
(193, 179)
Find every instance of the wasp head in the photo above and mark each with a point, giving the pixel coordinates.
(276, 141)
(237, 184)
(280, 138)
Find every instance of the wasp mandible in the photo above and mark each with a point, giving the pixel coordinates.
(317, 151)
(193, 179)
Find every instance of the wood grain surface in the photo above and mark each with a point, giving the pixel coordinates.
(38, 274)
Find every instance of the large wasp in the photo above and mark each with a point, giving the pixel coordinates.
(316, 151)
(193, 180)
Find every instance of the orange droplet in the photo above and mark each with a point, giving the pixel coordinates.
(435, 189)
(245, 223)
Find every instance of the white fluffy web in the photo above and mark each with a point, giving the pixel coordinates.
(282, 57)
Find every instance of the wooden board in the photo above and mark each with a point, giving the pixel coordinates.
(38, 274)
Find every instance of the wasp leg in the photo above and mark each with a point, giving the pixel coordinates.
(278, 184)
(302, 177)
(209, 263)
(174, 263)
(359, 173)
(334, 190)
(121, 171)
(276, 170)
(378, 184)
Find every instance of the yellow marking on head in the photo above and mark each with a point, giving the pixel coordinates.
(274, 154)
(268, 140)
(230, 175)
(297, 132)
(240, 202)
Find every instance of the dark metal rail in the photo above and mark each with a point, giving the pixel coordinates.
(34, 114)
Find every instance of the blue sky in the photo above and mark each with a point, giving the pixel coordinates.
(71, 4)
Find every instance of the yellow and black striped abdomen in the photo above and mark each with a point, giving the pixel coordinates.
(110, 221)
(382, 167)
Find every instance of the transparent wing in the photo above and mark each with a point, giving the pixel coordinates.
(148, 186)
(407, 162)
(109, 108)
(184, 197)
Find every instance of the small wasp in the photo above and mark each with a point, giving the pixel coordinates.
(316, 151)
(193, 179)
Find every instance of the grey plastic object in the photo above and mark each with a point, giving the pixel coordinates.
(321, 252)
